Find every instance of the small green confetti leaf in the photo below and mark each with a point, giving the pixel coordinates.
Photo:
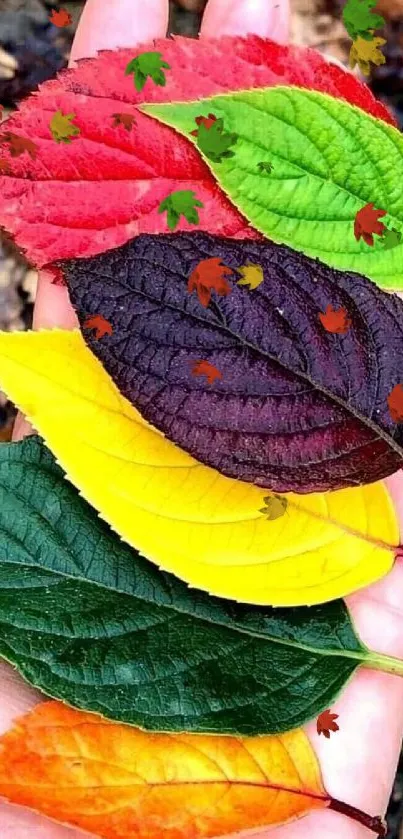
(183, 202)
(147, 65)
(359, 19)
(214, 142)
(391, 238)
(265, 167)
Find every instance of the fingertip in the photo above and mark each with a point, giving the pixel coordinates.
(118, 23)
(22, 428)
(267, 18)
(53, 309)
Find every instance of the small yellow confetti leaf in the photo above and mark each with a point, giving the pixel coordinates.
(365, 52)
(252, 275)
(61, 127)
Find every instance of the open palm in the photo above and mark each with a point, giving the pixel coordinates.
(358, 762)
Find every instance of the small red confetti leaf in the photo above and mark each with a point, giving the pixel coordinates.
(335, 320)
(204, 368)
(60, 18)
(395, 403)
(127, 120)
(367, 222)
(100, 324)
(210, 274)
(206, 121)
(18, 145)
(326, 723)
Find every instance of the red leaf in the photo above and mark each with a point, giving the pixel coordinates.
(395, 403)
(367, 222)
(82, 198)
(204, 368)
(210, 274)
(335, 320)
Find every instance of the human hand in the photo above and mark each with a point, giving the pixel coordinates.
(359, 761)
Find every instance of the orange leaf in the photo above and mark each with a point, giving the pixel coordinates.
(123, 783)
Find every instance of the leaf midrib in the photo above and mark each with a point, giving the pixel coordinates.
(356, 655)
(156, 784)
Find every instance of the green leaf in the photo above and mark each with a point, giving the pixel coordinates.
(329, 160)
(89, 621)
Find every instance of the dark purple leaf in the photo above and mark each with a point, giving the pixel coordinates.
(297, 407)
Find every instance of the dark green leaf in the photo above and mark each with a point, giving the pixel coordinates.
(89, 621)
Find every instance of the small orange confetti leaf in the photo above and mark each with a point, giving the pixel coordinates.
(335, 320)
(60, 18)
(326, 723)
(18, 145)
(395, 403)
(210, 274)
(100, 324)
(124, 783)
(127, 120)
(367, 222)
(204, 368)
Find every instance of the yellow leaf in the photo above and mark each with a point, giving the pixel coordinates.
(187, 518)
(122, 783)
(365, 52)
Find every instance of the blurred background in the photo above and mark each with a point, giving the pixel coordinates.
(33, 50)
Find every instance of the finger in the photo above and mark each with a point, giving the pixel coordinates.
(117, 23)
(267, 18)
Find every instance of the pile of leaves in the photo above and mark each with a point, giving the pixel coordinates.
(224, 417)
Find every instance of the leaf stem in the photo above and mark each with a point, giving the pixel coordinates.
(375, 823)
(386, 663)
